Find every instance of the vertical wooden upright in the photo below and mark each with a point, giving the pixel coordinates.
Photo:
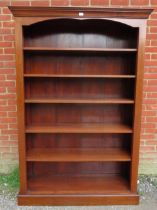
(79, 88)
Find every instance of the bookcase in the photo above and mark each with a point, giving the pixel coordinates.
(79, 87)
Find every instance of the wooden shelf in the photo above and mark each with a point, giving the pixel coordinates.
(79, 76)
(80, 101)
(71, 128)
(85, 184)
(77, 155)
(93, 50)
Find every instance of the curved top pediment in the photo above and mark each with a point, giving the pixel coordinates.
(91, 21)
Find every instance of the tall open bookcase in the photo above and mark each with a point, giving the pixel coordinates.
(79, 87)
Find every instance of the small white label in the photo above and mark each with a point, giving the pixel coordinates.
(81, 14)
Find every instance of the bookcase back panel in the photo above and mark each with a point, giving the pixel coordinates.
(79, 88)
(57, 141)
(84, 33)
(48, 114)
(75, 63)
(39, 169)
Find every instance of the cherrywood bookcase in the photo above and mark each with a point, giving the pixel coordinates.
(79, 87)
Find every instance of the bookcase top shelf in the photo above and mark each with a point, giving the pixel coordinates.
(73, 50)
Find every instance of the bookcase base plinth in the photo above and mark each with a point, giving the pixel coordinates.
(77, 200)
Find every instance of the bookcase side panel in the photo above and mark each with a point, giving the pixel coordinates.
(20, 106)
(138, 105)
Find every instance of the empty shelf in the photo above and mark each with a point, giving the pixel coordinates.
(78, 76)
(94, 50)
(85, 184)
(80, 101)
(77, 155)
(96, 128)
